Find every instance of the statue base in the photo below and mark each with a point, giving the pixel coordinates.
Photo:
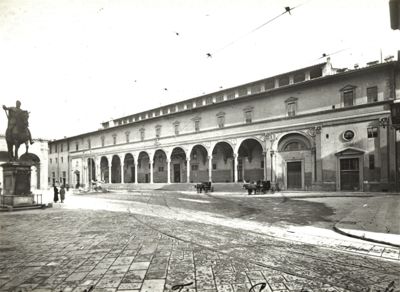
(17, 187)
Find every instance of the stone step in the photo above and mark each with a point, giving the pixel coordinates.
(5, 208)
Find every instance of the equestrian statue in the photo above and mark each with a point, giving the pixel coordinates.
(17, 132)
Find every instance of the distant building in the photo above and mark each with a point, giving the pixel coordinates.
(316, 128)
(38, 154)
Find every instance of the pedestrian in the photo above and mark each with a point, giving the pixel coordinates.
(62, 194)
(55, 199)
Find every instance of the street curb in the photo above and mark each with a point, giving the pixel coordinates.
(338, 230)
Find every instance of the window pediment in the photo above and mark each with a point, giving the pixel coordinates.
(291, 99)
(220, 114)
(350, 151)
(248, 109)
(348, 87)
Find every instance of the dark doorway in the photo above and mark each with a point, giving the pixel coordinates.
(177, 173)
(349, 174)
(294, 175)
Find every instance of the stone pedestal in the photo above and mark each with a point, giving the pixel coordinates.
(16, 185)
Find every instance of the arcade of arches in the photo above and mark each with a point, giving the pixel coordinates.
(223, 162)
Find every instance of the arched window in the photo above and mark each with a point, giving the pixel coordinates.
(294, 146)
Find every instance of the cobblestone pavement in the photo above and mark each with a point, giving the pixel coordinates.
(63, 249)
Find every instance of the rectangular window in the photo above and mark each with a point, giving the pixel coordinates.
(51, 161)
(114, 140)
(56, 160)
(199, 102)
(348, 98)
(284, 80)
(62, 159)
(176, 127)
(209, 100)
(102, 141)
(165, 111)
(372, 132)
(299, 77)
(230, 95)
(76, 146)
(55, 148)
(195, 167)
(127, 137)
(214, 166)
(372, 94)
(89, 144)
(67, 146)
(269, 84)
(221, 121)
(189, 105)
(242, 91)
(172, 109)
(291, 108)
(62, 147)
(371, 161)
(197, 126)
(262, 164)
(50, 148)
(255, 89)
(248, 117)
(158, 132)
(219, 98)
(142, 135)
(160, 168)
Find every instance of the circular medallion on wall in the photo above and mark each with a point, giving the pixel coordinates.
(348, 135)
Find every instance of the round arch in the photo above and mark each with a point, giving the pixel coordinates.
(294, 142)
(143, 167)
(34, 161)
(115, 169)
(222, 162)
(251, 160)
(178, 165)
(104, 170)
(160, 166)
(198, 164)
(129, 168)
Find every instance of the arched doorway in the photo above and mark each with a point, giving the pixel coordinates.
(129, 169)
(222, 163)
(294, 162)
(143, 168)
(116, 169)
(104, 169)
(199, 164)
(160, 167)
(34, 161)
(250, 161)
(178, 165)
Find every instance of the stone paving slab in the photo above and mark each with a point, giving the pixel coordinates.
(73, 250)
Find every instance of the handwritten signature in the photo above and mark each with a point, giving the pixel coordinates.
(389, 288)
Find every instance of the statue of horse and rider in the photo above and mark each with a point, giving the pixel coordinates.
(17, 132)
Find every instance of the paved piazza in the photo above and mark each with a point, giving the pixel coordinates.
(164, 241)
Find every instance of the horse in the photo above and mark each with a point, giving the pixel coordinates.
(18, 134)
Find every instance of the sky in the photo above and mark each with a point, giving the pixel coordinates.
(75, 64)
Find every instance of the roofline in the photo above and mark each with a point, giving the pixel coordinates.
(291, 86)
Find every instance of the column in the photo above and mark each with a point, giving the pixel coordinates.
(136, 170)
(97, 166)
(235, 165)
(168, 171)
(187, 169)
(265, 154)
(210, 168)
(121, 158)
(109, 168)
(151, 171)
(272, 153)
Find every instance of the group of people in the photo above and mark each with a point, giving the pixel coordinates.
(60, 192)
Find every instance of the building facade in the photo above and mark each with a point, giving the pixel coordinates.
(316, 128)
(37, 156)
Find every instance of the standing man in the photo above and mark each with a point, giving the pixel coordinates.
(14, 116)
